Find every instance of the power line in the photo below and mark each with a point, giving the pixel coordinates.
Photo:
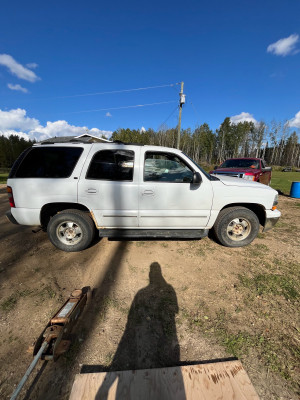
(123, 107)
(115, 91)
(161, 125)
(196, 112)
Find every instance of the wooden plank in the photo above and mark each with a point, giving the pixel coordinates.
(223, 380)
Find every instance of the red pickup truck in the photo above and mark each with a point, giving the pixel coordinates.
(253, 169)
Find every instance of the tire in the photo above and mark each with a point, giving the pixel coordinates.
(236, 227)
(71, 230)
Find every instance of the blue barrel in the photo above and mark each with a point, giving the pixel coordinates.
(295, 190)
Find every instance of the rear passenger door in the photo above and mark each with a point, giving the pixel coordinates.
(108, 186)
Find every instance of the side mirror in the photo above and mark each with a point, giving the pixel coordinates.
(267, 169)
(196, 178)
(216, 166)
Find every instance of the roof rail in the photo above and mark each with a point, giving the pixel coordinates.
(127, 143)
(83, 140)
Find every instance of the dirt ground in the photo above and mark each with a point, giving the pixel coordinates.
(155, 304)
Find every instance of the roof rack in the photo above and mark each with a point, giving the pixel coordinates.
(127, 144)
(83, 140)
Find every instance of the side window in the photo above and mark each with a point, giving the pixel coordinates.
(48, 162)
(112, 165)
(166, 167)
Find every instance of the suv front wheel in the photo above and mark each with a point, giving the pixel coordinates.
(71, 230)
(236, 226)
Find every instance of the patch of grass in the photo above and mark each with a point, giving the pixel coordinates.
(200, 252)
(108, 358)
(281, 224)
(256, 250)
(283, 180)
(140, 243)
(261, 236)
(12, 338)
(261, 247)
(3, 177)
(238, 344)
(46, 293)
(26, 292)
(164, 244)
(131, 267)
(271, 283)
(10, 303)
(110, 302)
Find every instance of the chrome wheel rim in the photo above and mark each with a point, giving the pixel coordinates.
(238, 229)
(69, 233)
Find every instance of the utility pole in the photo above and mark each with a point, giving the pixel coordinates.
(181, 102)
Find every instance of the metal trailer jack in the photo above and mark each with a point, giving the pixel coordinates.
(55, 340)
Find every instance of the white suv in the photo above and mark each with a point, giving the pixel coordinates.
(123, 190)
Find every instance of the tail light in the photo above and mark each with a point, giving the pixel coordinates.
(10, 196)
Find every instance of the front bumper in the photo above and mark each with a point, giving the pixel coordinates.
(272, 217)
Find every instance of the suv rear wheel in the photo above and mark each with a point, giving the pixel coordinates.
(71, 230)
(236, 226)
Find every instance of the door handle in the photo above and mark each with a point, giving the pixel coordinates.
(91, 190)
(148, 193)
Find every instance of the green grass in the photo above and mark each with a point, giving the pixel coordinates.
(270, 283)
(11, 302)
(4, 174)
(3, 177)
(283, 180)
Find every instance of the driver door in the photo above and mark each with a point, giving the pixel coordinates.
(167, 196)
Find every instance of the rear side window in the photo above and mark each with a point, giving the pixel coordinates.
(46, 162)
(17, 163)
(112, 165)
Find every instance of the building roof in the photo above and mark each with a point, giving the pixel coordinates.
(86, 137)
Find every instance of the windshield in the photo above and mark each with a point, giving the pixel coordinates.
(198, 166)
(240, 163)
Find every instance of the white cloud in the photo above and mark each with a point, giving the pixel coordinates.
(17, 87)
(17, 69)
(15, 122)
(108, 114)
(242, 117)
(295, 122)
(285, 46)
(142, 129)
(63, 128)
(32, 65)
(10, 132)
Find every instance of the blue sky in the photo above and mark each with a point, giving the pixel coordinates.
(219, 50)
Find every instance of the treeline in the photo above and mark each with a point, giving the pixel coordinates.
(274, 143)
(11, 148)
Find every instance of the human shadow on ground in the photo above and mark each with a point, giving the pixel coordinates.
(150, 339)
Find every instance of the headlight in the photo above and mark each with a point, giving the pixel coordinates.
(275, 200)
(249, 177)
